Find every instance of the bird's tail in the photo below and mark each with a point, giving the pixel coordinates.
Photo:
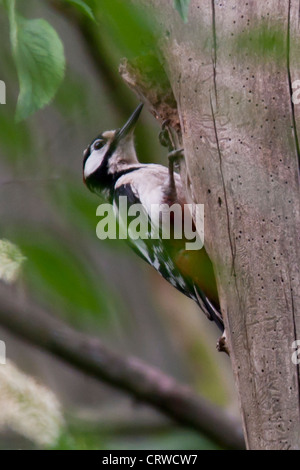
(208, 308)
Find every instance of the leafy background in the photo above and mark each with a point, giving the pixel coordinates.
(65, 54)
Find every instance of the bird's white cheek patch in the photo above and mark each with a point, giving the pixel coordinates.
(94, 161)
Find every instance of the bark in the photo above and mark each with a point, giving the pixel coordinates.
(231, 68)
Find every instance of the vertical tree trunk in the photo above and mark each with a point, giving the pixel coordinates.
(231, 68)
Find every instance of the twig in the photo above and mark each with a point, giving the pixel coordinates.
(128, 374)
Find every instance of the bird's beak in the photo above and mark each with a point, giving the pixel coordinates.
(130, 125)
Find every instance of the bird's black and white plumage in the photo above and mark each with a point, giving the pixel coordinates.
(111, 169)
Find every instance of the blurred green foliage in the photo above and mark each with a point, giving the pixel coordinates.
(15, 139)
(61, 279)
(127, 27)
(77, 438)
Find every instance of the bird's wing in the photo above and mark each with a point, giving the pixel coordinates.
(208, 308)
(126, 190)
(169, 257)
(156, 251)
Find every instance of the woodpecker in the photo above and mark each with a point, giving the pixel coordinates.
(111, 169)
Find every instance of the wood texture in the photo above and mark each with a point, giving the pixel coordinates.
(231, 68)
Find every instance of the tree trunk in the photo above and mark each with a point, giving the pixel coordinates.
(231, 68)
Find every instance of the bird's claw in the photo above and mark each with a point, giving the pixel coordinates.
(222, 344)
(175, 156)
(164, 138)
(165, 124)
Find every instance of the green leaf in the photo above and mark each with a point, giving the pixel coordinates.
(39, 57)
(83, 7)
(182, 6)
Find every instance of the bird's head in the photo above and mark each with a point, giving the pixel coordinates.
(110, 154)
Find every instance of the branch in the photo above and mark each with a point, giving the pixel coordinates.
(97, 54)
(128, 374)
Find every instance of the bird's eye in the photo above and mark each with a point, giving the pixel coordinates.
(98, 144)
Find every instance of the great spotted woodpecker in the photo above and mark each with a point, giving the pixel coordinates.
(111, 169)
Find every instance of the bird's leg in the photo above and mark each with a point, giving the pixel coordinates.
(175, 155)
(173, 158)
(165, 135)
(168, 139)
